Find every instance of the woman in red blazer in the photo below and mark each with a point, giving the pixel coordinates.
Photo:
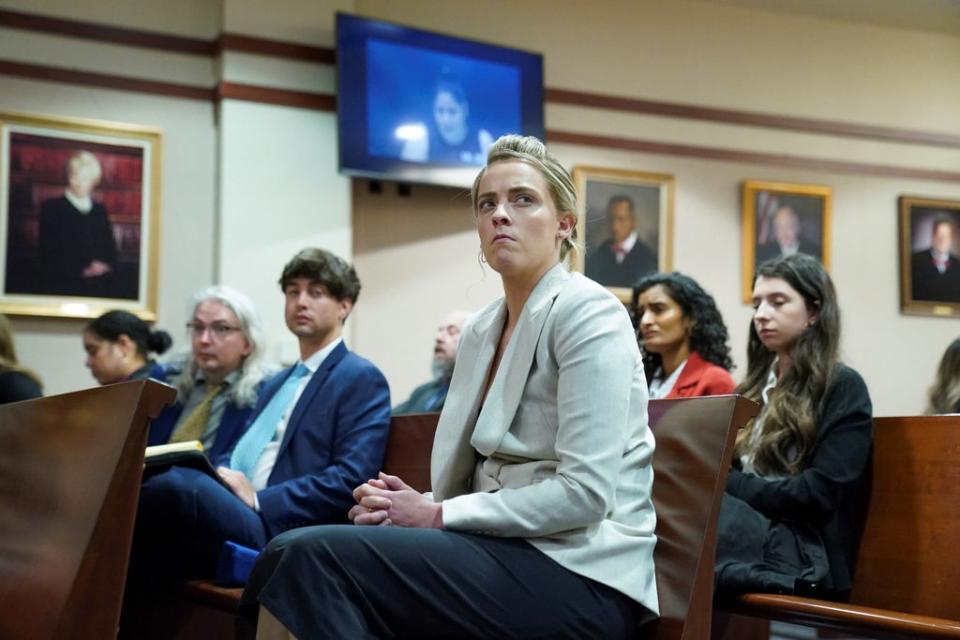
(683, 338)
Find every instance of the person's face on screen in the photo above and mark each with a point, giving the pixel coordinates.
(451, 117)
(311, 312)
(219, 346)
(780, 314)
(662, 323)
(520, 230)
(786, 227)
(622, 221)
(942, 237)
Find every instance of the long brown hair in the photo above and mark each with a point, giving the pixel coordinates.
(945, 392)
(8, 354)
(791, 417)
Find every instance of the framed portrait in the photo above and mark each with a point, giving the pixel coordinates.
(780, 219)
(929, 256)
(626, 225)
(79, 216)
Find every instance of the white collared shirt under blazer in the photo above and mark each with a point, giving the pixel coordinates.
(561, 451)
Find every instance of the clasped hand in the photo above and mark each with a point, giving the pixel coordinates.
(388, 501)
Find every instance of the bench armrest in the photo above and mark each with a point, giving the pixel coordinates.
(845, 617)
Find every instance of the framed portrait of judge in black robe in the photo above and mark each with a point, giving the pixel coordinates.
(626, 225)
(780, 219)
(929, 256)
(79, 216)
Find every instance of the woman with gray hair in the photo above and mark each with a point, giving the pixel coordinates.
(218, 382)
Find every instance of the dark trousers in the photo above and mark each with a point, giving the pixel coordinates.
(183, 518)
(388, 582)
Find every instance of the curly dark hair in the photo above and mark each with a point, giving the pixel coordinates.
(708, 333)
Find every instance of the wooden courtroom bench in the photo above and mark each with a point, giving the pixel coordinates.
(70, 468)
(694, 446)
(907, 574)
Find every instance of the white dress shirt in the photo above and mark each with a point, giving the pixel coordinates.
(264, 467)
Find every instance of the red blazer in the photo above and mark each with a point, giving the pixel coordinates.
(701, 378)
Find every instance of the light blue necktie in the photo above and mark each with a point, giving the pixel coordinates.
(250, 447)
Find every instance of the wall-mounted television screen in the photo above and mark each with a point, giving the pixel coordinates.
(422, 107)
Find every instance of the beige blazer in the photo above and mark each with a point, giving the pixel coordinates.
(560, 451)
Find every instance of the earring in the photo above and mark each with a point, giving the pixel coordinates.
(482, 259)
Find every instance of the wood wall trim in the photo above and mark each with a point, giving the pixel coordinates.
(328, 103)
(752, 118)
(751, 157)
(104, 33)
(282, 97)
(164, 42)
(276, 48)
(326, 55)
(105, 81)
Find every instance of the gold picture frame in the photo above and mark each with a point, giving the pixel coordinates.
(928, 286)
(608, 197)
(779, 217)
(79, 216)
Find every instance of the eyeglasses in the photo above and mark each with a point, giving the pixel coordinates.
(218, 330)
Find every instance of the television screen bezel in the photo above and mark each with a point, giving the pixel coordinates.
(356, 161)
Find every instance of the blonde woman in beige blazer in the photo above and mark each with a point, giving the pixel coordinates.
(540, 524)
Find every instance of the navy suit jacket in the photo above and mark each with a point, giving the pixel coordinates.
(335, 441)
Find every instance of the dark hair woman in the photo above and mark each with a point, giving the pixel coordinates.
(945, 392)
(683, 338)
(118, 346)
(789, 519)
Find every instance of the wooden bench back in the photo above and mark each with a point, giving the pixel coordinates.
(694, 445)
(695, 439)
(909, 556)
(409, 448)
(70, 468)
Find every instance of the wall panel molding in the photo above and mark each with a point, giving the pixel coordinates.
(276, 48)
(109, 34)
(327, 55)
(105, 81)
(280, 97)
(752, 118)
(750, 157)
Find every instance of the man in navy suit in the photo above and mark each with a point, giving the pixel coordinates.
(319, 430)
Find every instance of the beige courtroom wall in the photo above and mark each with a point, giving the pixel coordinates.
(704, 54)
(53, 346)
(280, 192)
(417, 258)
(714, 54)
(280, 188)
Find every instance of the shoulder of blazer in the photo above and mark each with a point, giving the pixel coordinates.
(701, 373)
